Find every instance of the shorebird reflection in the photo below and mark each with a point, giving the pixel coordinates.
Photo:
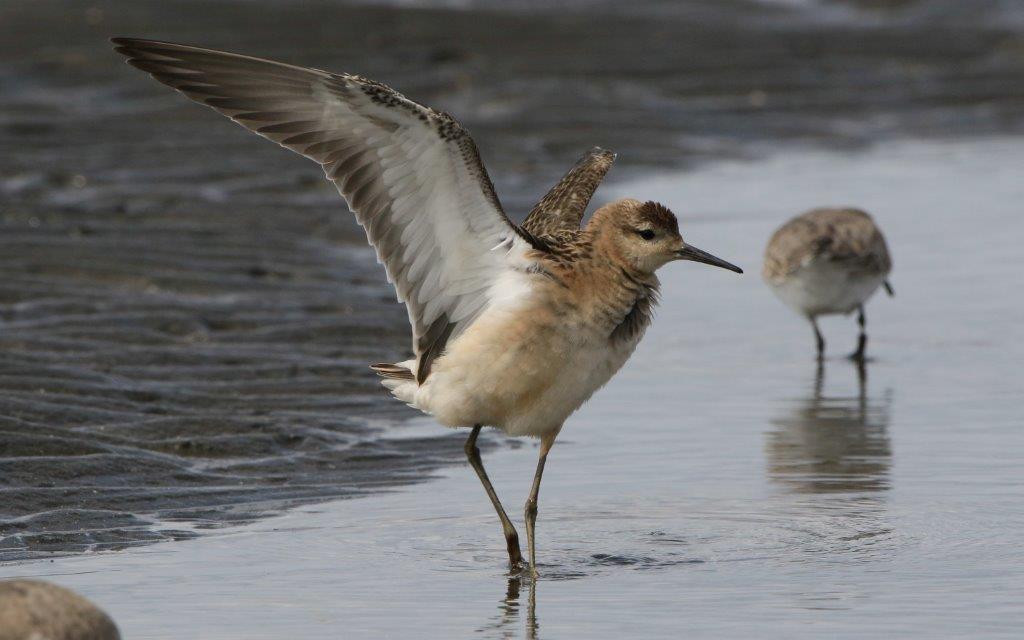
(506, 624)
(832, 444)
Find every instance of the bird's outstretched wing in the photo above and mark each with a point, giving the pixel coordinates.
(412, 175)
(562, 208)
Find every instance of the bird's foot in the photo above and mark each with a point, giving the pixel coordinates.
(522, 569)
(516, 563)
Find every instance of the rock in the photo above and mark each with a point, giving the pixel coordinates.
(36, 610)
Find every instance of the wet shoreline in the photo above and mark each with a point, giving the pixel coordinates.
(186, 312)
(722, 485)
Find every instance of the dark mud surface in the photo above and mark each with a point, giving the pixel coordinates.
(186, 312)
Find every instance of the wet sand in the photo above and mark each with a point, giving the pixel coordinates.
(718, 487)
(186, 312)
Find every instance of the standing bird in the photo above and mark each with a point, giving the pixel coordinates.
(513, 327)
(828, 261)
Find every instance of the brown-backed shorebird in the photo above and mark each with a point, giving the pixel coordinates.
(513, 327)
(828, 261)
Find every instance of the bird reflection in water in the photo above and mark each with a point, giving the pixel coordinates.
(831, 444)
(506, 623)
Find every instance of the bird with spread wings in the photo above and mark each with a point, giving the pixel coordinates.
(512, 326)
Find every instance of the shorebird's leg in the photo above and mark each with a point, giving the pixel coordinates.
(862, 339)
(817, 335)
(515, 556)
(531, 503)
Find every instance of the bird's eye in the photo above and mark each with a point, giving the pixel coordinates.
(646, 234)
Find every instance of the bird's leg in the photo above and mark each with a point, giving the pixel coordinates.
(531, 502)
(515, 556)
(862, 339)
(820, 338)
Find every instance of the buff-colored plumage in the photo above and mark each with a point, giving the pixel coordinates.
(513, 326)
(559, 326)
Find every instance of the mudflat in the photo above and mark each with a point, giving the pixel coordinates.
(186, 312)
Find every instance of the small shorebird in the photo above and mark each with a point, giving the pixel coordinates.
(513, 327)
(828, 261)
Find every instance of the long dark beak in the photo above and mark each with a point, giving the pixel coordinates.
(695, 254)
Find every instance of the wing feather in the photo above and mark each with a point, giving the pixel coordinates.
(562, 208)
(411, 175)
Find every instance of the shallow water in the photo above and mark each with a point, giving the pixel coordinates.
(186, 312)
(719, 486)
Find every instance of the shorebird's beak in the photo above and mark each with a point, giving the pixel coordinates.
(695, 254)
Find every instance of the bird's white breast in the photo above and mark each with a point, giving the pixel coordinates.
(825, 287)
(521, 366)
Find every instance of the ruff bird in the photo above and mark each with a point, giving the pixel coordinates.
(513, 326)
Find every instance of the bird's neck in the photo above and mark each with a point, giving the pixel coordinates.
(607, 288)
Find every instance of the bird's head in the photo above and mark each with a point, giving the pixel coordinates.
(645, 236)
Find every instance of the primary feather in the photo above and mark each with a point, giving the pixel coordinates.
(412, 175)
(561, 209)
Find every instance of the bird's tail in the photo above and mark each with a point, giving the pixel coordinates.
(393, 371)
(399, 379)
(888, 288)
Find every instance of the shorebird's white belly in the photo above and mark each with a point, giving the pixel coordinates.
(522, 368)
(823, 287)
